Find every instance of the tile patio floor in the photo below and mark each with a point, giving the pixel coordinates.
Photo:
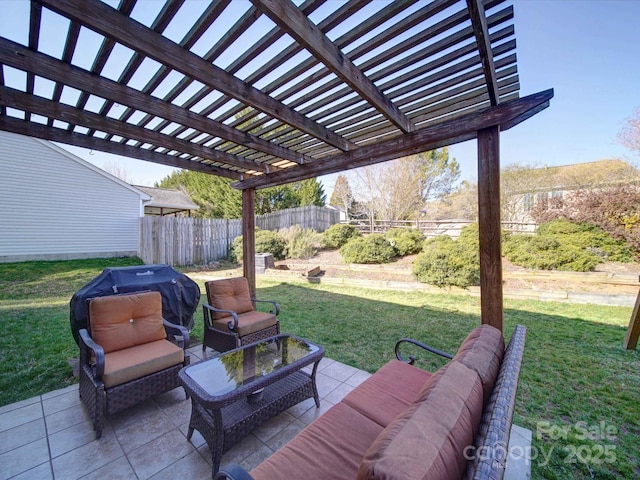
(51, 437)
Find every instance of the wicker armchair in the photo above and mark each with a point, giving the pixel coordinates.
(128, 353)
(230, 317)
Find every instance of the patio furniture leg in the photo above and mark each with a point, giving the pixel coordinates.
(316, 397)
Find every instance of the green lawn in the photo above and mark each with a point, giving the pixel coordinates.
(578, 393)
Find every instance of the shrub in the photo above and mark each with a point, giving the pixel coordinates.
(339, 234)
(301, 242)
(549, 252)
(405, 241)
(266, 242)
(470, 237)
(445, 262)
(561, 227)
(589, 237)
(614, 210)
(370, 249)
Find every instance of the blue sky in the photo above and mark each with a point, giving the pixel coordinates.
(588, 51)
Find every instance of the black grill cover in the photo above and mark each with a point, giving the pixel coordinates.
(180, 294)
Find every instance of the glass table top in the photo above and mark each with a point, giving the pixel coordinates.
(229, 371)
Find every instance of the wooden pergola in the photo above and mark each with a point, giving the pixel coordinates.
(269, 92)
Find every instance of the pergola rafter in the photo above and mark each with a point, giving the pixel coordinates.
(291, 20)
(481, 31)
(272, 92)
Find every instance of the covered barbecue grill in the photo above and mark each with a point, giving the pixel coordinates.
(180, 294)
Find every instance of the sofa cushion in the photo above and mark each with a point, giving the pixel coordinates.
(482, 351)
(387, 392)
(123, 321)
(122, 366)
(328, 449)
(229, 294)
(427, 441)
(248, 322)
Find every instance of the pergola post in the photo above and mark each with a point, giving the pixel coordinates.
(633, 331)
(489, 226)
(249, 238)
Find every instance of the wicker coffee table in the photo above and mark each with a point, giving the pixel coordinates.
(235, 392)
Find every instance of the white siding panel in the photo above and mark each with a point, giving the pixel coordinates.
(54, 204)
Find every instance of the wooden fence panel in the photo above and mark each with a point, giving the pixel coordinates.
(181, 241)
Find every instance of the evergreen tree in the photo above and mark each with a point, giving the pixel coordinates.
(211, 193)
(310, 192)
(217, 199)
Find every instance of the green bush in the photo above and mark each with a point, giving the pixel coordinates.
(339, 234)
(266, 242)
(405, 241)
(370, 249)
(470, 237)
(563, 245)
(301, 242)
(561, 227)
(549, 252)
(445, 262)
(589, 237)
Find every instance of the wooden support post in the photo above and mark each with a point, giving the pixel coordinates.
(489, 225)
(633, 332)
(249, 238)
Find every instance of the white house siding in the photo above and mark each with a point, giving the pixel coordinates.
(55, 206)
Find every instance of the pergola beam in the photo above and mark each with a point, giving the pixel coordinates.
(100, 17)
(60, 135)
(453, 131)
(291, 20)
(481, 32)
(31, 103)
(17, 56)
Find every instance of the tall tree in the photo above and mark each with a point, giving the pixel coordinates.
(438, 173)
(461, 204)
(211, 193)
(342, 196)
(399, 189)
(310, 192)
(629, 136)
(118, 171)
(217, 199)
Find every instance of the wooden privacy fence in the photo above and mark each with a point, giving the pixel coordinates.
(317, 218)
(181, 241)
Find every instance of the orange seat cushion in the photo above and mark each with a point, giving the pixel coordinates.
(229, 294)
(329, 449)
(122, 366)
(384, 395)
(427, 441)
(248, 322)
(482, 351)
(123, 321)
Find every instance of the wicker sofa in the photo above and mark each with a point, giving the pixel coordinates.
(406, 423)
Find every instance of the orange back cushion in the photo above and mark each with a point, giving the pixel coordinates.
(229, 294)
(122, 321)
(482, 351)
(427, 441)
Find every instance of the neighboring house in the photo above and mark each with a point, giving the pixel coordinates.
(54, 205)
(562, 181)
(343, 215)
(167, 202)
